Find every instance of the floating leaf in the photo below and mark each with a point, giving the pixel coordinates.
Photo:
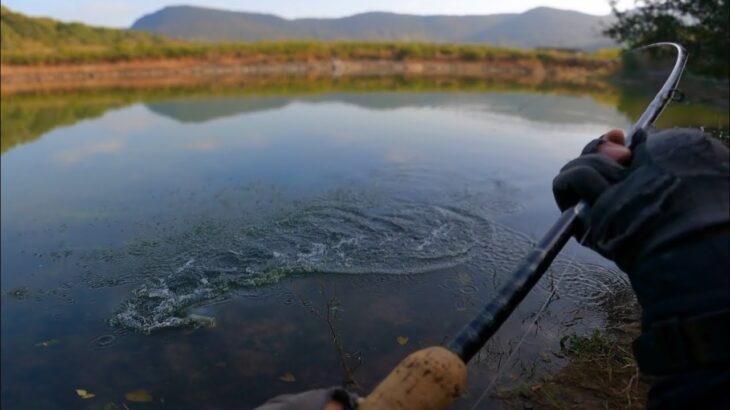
(85, 394)
(48, 343)
(139, 395)
(288, 377)
(402, 340)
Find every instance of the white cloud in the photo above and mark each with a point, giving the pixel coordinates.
(74, 155)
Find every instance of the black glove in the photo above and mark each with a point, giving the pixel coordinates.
(665, 220)
(676, 186)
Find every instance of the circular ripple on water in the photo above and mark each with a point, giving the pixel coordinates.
(585, 282)
(103, 341)
(400, 222)
(412, 238)
(397, 238)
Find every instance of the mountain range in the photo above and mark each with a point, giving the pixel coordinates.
(539, 27)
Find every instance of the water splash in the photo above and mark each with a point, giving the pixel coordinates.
(403, 221)
(341, 238)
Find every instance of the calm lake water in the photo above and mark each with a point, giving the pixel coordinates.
(198, 244)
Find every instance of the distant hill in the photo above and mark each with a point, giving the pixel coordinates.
(539, 27)
(37, 34)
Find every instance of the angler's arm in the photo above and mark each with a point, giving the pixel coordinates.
(664, 218)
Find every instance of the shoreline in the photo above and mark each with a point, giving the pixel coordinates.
(166, 72)
(600, 370)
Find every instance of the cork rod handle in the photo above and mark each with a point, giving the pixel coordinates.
(429, 379)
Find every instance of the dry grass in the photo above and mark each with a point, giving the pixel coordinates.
(293, 51)
(601, 374)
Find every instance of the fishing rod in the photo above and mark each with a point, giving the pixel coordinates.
(433, 378)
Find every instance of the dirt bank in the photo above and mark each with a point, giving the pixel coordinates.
(166, 72)
(601, 372)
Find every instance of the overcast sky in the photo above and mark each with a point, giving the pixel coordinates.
(121, 13)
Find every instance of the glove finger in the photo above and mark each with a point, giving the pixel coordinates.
(592, 147)
(616, 136)
(578, 183)
(609, 168)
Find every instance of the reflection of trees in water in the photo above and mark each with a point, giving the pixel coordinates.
(25, 118)
(702, 102)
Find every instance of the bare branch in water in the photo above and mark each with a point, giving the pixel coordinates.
(330, 317)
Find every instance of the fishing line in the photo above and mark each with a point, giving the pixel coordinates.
(542, 309)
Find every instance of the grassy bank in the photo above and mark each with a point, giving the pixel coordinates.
(294, 51)
(600, 370)
(601, 373)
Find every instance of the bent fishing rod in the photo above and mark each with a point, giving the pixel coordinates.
(433, 378)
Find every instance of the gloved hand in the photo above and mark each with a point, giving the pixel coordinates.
(662, 213)
(674, 186)
(333, 398)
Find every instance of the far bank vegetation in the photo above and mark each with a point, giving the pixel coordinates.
(42, 41)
